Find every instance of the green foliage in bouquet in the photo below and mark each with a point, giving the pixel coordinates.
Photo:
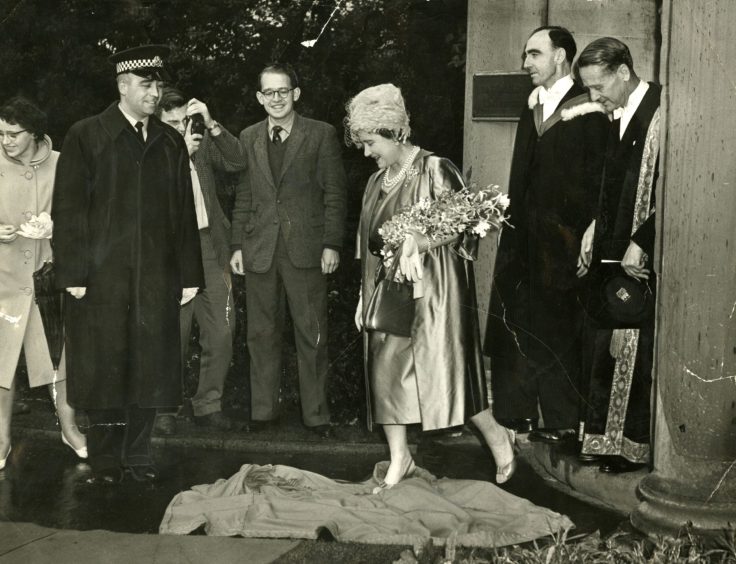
(451, 213)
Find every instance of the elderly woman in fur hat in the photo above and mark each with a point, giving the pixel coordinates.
(435, 377)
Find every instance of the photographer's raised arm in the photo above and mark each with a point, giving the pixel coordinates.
(220, 148)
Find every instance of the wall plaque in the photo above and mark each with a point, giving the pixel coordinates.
(500, 96)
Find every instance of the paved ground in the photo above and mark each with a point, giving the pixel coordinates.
(49, 514)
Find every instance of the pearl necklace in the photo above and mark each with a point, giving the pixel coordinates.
(390, 183)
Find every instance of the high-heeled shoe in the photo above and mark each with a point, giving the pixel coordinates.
(384, 485)
(3, 461)
(504, 473)
(80, 452)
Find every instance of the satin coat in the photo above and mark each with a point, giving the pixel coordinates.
(448, 362)
(25, 190)
(125, 228)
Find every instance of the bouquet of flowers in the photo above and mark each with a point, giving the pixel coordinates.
(452, 213)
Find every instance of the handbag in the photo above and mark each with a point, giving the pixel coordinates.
(622, 302)
(391, 307)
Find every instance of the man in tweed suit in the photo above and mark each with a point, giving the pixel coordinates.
(288, 229)
(213, 309)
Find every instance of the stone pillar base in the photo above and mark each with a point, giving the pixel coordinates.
(665, 510)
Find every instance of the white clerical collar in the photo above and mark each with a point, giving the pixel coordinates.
(632, 104)
(133, 120)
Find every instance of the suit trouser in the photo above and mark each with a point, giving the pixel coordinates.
(216, 318)
(306, 291)
(120, 437)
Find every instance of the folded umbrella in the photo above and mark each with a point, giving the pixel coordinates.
(50, 303)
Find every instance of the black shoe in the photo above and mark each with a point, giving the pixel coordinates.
(165, 424)
(619, 465)
(322, 431)
(106, 477)
(20, 408)
(551, 436)
(144, 473)
(217, 420)
(519, 425)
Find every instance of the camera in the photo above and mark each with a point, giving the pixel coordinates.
(198, 127)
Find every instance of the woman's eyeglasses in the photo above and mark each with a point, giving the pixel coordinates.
(11, 135)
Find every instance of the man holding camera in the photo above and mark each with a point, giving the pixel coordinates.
(211, 148)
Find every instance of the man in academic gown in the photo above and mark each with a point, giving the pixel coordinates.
(619, 360)
(534, 326)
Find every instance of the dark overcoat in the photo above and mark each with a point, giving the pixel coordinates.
(533, 326)
(307, 203)
(124, 228)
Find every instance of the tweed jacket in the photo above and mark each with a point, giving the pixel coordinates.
(306, 203)
(220, 153)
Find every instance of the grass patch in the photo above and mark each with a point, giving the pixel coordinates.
(622, 547)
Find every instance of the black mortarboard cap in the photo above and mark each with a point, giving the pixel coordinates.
(146, 61)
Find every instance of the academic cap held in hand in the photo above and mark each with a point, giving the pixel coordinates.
(146, 61)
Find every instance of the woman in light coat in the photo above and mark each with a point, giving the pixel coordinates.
(27, 169)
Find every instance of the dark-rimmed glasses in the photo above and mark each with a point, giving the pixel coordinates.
(282, 92)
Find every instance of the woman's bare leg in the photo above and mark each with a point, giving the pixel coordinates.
(500, 440)
(402, 462)
(66, 416)
(6, 416)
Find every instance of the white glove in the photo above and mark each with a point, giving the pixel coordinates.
(187, 295)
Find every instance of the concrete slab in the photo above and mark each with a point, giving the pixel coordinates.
(23, 543)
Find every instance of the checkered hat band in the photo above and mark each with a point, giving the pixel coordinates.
(134, 64)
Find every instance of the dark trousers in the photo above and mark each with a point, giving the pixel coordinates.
(214, 311)
(535, 350)
(120, 437)
(306, 291)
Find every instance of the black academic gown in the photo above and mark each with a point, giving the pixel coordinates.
(534, 325)
(617, 418)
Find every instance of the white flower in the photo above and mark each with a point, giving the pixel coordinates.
(38, 227)
(502, 201)
(481, 228)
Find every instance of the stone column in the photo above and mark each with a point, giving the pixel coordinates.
(694, 477)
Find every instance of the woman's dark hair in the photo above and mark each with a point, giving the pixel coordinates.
(561, 38)
(22, 112)
(171, 98)
(608, 52)
(280, 68)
